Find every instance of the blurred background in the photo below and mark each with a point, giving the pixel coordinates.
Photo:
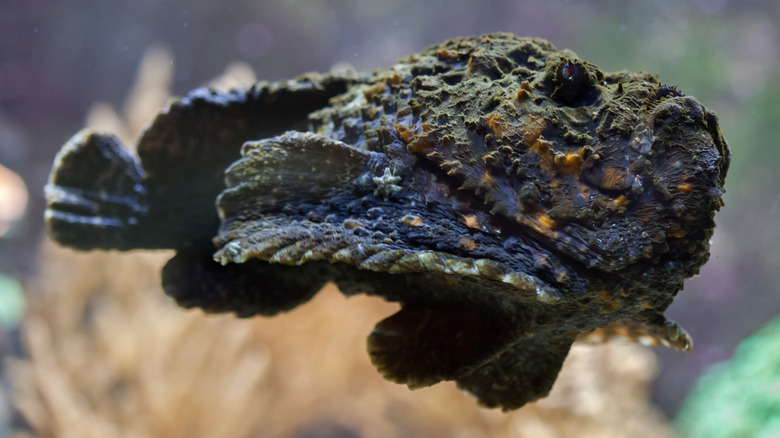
(82, 344)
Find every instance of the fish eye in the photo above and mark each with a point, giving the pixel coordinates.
(569, 71)
(572, 84)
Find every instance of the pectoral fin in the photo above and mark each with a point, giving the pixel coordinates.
(522, 373)
(420, 346)
(284, 194)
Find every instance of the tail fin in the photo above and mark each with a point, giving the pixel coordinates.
(95, 197)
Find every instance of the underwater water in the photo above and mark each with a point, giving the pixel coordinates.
(58, 60)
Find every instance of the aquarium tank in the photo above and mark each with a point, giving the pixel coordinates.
(92, 346)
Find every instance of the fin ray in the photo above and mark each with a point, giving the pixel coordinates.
(660, 331)
(419, 346)
(95, 197)
(523, 373)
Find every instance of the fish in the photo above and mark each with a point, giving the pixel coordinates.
(512, 197)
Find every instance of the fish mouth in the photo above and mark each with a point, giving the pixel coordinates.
(689, 160)
(691, 132)
(669, 103)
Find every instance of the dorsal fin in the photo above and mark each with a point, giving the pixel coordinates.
(101, 196)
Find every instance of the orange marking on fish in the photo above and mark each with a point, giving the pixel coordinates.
(467, 243)
(412, 221)
(613, 178)
(541, 223)
(496, 124)
(404, 132)
(375, 90)
(488, 180)
(546, 158)
(472, 222)
(532, 129)
(569, 163)
(395, 79)
(685, 188)
(447, 55)
(424, 142)
(545, 221)
(522, 95)
(621, 203)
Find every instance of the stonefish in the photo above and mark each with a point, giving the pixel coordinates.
(510, 196)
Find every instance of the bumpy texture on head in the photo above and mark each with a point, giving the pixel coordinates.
(509, 195)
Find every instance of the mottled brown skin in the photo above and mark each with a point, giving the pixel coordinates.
(509, 195)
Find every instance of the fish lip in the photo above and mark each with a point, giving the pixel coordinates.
(687, 110)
